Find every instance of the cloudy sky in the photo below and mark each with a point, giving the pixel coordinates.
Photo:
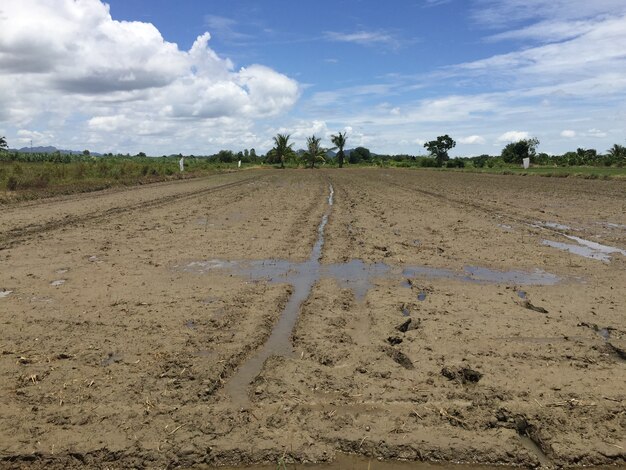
(198, 76)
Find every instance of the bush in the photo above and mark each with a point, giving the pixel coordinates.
(12, 183)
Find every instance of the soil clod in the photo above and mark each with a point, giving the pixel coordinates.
(527, 304)
(399, 357)
(461, 374)
(408, 325)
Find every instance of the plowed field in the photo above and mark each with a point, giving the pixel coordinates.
(299, 314)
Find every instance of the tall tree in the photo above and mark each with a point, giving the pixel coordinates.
(282, 149)
(439, 148)
(3, 143)
(339, 140)
(314, 152)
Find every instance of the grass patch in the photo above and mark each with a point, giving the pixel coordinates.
(32, 180)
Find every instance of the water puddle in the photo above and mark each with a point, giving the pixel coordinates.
(5, 293)
(586, 248)
(553, 225)
(62, 270)
(355, 275)
(521, 294)
(302, 277)
(190, 324)
(481, 275)
(58, 282)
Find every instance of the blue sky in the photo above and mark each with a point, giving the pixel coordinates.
(139, 75)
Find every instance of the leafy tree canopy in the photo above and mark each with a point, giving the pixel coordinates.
(515, 152)
(360, 154)
(439, 148)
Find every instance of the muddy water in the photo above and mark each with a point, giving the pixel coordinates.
(302, 278)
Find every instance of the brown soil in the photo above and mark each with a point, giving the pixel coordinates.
(123, 364)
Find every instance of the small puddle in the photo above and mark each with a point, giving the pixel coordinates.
(522, 294)
(190, 324)
(586, 248)
(421, 296)
(5, 293)
(481, 275)
(553, 225)
(58, 282)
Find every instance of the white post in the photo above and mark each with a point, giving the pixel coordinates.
(181, 164)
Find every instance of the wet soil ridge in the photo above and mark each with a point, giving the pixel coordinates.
(302, 280)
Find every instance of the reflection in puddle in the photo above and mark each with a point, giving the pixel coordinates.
(421, 296)
(521, 294)
(58, 282)
(5, 293)
(586, 248)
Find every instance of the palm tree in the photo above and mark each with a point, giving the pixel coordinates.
(282, 148)
(340, 142)
(3, 143)
(617, 153)
(314, 151)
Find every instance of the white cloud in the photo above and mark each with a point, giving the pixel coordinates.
(472, 140)
(123, 76)
(595, 133)
(569, 134)
(513, 136)
(364, 38)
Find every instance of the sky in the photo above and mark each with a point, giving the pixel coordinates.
(198, 76)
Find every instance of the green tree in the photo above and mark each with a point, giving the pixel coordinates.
(515, 152)
(339, 140)
(86, 152)
(360, 154)
(314, 152)
(252, 154)
(439, 148)
(3, 143)
(225, 156)
(282, 149)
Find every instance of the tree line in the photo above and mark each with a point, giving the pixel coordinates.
(438, 155)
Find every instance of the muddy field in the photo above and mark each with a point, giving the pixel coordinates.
(267, 316)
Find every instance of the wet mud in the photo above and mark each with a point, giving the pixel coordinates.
(242, 320)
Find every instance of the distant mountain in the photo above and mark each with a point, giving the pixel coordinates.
(51, 149)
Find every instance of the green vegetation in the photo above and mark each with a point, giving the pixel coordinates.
(515, 152)
(315, 152)
(339, 140)
(282, 150)
(36, 175)
(26, 175)
(439, 148)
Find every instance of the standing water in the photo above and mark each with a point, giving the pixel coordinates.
(279, 342)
